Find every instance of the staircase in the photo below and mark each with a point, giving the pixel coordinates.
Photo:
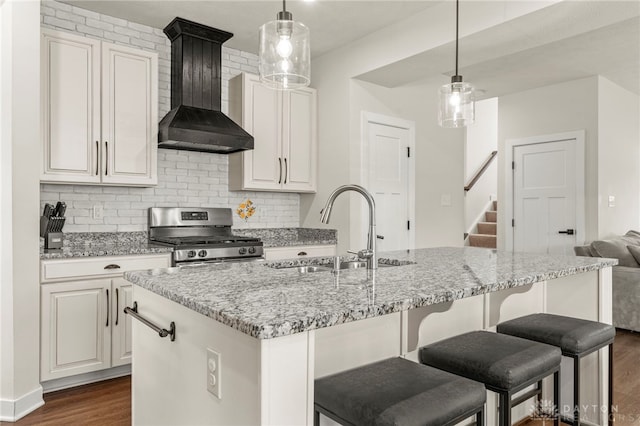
(486, 236)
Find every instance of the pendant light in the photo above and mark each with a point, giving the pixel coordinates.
(457, 100)
(285, 58)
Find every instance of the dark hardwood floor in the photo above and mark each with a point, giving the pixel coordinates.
(102, 403)
(109, 402)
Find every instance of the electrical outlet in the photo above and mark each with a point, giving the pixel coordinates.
(612, 200)
(213, 373)
(445, 200)
(98, 212)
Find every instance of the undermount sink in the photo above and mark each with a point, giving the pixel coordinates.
(353, 264)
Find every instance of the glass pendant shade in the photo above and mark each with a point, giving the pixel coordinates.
(457, 105)
(285, 54)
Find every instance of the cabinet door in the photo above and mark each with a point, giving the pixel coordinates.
(129, 116)
(75, 328)
(263, 166)
(121, 327)
(70, 113)
(300, 141)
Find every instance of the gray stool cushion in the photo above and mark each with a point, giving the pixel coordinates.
(494, 359)
(574, 336)
(398, 392)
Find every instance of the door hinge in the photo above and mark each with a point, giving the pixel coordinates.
(513, 165)
(408, 225)
(408, 151)
(513, 223)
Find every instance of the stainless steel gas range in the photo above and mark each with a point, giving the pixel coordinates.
(201, 235)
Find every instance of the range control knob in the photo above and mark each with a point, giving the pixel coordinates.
(252, 250)
(202, 253)
(243, 250)
(191, 253)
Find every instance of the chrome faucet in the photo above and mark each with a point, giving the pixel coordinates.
(370, 253)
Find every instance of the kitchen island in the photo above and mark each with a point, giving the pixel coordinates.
(276, 329)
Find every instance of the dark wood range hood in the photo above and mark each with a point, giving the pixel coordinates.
(196, 122)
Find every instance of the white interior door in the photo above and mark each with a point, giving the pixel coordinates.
(545, 196)
(390, 180)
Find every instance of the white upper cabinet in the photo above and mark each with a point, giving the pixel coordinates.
(99, 112)
(283, 124)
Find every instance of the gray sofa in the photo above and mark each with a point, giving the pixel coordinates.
(626, 276)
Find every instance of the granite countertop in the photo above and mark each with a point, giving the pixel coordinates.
(84, 244)
(263, 301)
(285, 237)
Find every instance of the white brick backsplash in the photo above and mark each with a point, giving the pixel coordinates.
(142, 28)
(185, 179)
(126, 31)
(67, 16)
(86, 13)
(59, 23)
(112, 20)
(90, 31)
(99, 24)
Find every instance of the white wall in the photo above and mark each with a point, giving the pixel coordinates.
(338, 140)
(481, 139)
(186, 179)
(618, 159)
(438, 156)
(551, 109)
(610, 116)
(20, 390)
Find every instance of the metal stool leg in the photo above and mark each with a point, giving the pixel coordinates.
(480, 417)
(556, 397)
(610, 384)
(505, 409)
(576, 391)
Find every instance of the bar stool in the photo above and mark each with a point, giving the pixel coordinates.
(398, 392)
(505, 364)
(575, 337)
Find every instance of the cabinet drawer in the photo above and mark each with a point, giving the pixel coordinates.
(58, 269)
(276, 253)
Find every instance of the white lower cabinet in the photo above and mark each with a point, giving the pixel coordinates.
(299, 252)
(83, 324)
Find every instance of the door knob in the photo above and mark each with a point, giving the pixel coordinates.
(568, 232)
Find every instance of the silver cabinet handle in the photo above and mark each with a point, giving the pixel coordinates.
(286, 170)
(117, 305)
(106, 161)
(280, 163)
(97, 157)
(107, 325)
(112, 266)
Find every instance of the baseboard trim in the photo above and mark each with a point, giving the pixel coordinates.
(86, 378)
(14, 410)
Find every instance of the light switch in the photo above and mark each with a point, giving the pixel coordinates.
(612, 200)
(445, 200)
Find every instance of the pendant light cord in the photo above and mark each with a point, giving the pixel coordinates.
(457, 6)
(284, 5)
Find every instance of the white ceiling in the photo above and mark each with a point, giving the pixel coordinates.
(565, 41)
(331, 23)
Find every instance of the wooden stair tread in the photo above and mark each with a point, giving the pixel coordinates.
(483, 240)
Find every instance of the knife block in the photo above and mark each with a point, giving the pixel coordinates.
(53, 240)
(51, 231)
